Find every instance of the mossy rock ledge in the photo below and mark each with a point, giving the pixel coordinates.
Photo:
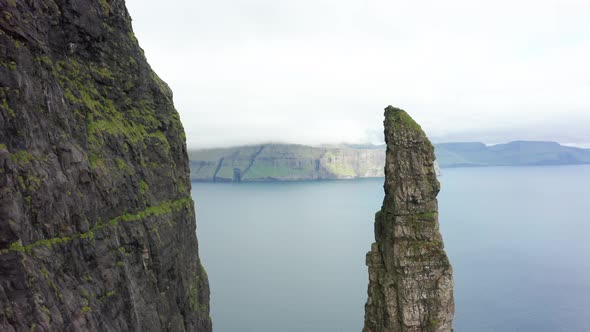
(97, 226)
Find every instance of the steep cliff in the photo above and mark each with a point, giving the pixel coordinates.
(410, 277)
(285, 162)
(97, 226)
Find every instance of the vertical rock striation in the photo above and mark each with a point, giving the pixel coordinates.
(97, 226)
(410, 277)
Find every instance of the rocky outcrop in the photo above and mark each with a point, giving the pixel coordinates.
(410, 277)
(285, 162)
(97, 225)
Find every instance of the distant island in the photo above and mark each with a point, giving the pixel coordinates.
(288, 162)
(517, 153)
(285, 162)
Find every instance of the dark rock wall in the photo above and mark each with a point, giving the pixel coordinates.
(97, 226)
(410, 277)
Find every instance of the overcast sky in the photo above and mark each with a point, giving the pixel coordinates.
(321, 71)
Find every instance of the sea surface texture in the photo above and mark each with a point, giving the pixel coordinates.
(291, 256)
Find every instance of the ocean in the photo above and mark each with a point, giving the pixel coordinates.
(290, 256)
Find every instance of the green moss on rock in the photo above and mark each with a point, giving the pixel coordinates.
(143, 187)
(152, 211)
(399, 117)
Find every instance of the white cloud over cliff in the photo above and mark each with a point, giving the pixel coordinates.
(321, 71)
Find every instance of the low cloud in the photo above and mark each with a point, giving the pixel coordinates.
(322, 71)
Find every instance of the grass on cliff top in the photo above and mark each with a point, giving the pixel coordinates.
(268, 170)
(402, 118)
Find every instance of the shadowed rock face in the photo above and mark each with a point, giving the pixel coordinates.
(410, 277)
(97, 226)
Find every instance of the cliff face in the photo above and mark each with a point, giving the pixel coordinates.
(97, 226)
(284, 162)
(410, 277)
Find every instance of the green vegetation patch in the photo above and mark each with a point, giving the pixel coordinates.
(163, 208)
(8, 16)
(434, 322)
(262, 169)
(51, 283)
(46, 313)
(8, 64)
(121, 164)
(101, 71)
(399, 117)
(136, 123)
(152, 211)
(95, 161)
(338, 166)
(193, 295)
(106, 8)
(7, 108)
(427, 216)
(143, 187)
(115, 126)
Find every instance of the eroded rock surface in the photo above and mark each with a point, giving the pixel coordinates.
(410, 277)
(97, 226)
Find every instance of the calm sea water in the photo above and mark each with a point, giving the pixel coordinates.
(290, 256)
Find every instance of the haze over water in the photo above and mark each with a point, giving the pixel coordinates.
(290, 256)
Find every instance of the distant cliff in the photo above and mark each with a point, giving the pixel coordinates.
(410, 277)
(518, 153)
(283, 162)
(97, 224)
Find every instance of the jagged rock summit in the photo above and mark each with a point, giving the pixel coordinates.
(410, 277)
(97, 225)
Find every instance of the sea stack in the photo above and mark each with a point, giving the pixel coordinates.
(410, 277)
(97, 224)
